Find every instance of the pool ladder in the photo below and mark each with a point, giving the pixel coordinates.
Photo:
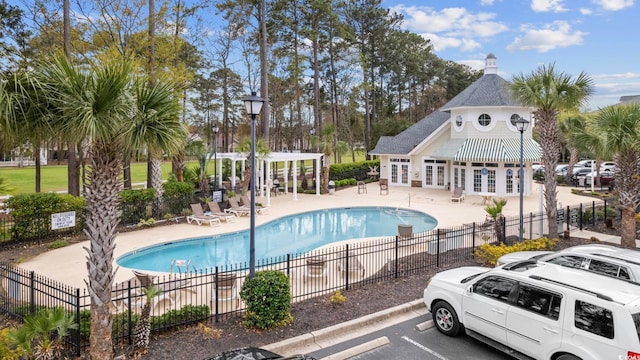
(181, 264)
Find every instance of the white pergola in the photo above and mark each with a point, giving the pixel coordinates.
(264, 162)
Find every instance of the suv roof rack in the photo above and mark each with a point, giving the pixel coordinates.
(518, 265)
(594, 293)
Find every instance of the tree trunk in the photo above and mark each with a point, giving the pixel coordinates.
(628, 224)
(103, 216)
(73, 171)
(126, 170)
(36, 150)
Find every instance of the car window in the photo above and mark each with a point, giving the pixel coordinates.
(495, 287)
(594, 319)
(636, 322)
(607, 268)
(572, 261)
(539, 301)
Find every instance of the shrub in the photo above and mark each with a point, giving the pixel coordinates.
(356, 170)
(185, 315)
(6, 352)
(136, 204)
(32, 213)
(268, 299)
(337, 298)
(488, 254)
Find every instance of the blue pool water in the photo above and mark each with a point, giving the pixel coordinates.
(293, 234)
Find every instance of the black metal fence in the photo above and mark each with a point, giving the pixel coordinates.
(214, 294)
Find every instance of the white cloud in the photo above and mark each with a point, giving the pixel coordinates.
(486, 2)
(555, 35)
(473, 64)
(458, 21)
(585, 11)
(547, 6)
(441, 43)
(614, 5)
(617, 76)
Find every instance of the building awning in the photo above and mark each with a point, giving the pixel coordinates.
(488, 150)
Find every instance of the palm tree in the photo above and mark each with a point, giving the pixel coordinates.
(98, 104)
(46, 330)
(154, 122)
(570, 128)
(329, 145)
(616, 130)
(143, 327)
(495, 212)
(550, 92)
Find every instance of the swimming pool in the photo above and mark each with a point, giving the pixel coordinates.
(293, 234)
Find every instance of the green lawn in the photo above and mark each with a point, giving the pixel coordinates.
(54, 177)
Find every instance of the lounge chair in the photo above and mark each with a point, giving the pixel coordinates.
(236, 209)
(215, 211)
(351, 265)
(247, 203)
(225, 289)
(199, 216)
(458, 195)
(316, 268)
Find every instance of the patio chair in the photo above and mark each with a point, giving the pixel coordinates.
(351, 264)
(236, 209)
(199, 216)
(215, 210)
(225, 289)
(458, 195)
(316, 268)
(247, 203)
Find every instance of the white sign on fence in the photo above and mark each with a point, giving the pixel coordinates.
(63, 220)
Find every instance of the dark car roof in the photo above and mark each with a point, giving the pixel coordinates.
(253, 353)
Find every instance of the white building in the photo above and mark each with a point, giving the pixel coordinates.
(471, 142)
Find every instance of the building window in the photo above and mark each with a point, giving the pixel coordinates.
(440, 175)
(455, 177)
(428, 178)
(514, 118)
(484, 120)
(477, 180)
(509, 182)
(491, 181)
(462, 179)
(459, 120)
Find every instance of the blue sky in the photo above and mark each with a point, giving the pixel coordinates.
(598, 37)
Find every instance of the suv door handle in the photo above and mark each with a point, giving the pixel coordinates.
(497, 311)
(551, 330)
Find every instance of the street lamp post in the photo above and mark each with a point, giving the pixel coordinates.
(215, 130)
(521, 125)
(253, 104)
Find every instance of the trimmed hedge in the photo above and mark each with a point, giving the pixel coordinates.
(356, 170)
(32, 214)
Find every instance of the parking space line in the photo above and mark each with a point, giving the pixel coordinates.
(424, 348)
(360, 349)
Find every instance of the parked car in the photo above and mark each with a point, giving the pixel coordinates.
(608, 166)
(605, 177)
(561, 169)
(253, 353)
(584, 163)
(577, 173)
(538, 310)
(602, 259)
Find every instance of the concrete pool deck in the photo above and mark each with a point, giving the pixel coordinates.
(68, 265)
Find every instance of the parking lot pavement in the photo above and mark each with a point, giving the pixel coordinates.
(415, 338)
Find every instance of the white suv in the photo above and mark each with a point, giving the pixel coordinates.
(534, 310)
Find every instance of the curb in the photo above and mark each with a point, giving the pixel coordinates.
(315, 337)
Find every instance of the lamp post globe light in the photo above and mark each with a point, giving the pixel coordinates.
(521, 125)
(253, 104)
(215, 130)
